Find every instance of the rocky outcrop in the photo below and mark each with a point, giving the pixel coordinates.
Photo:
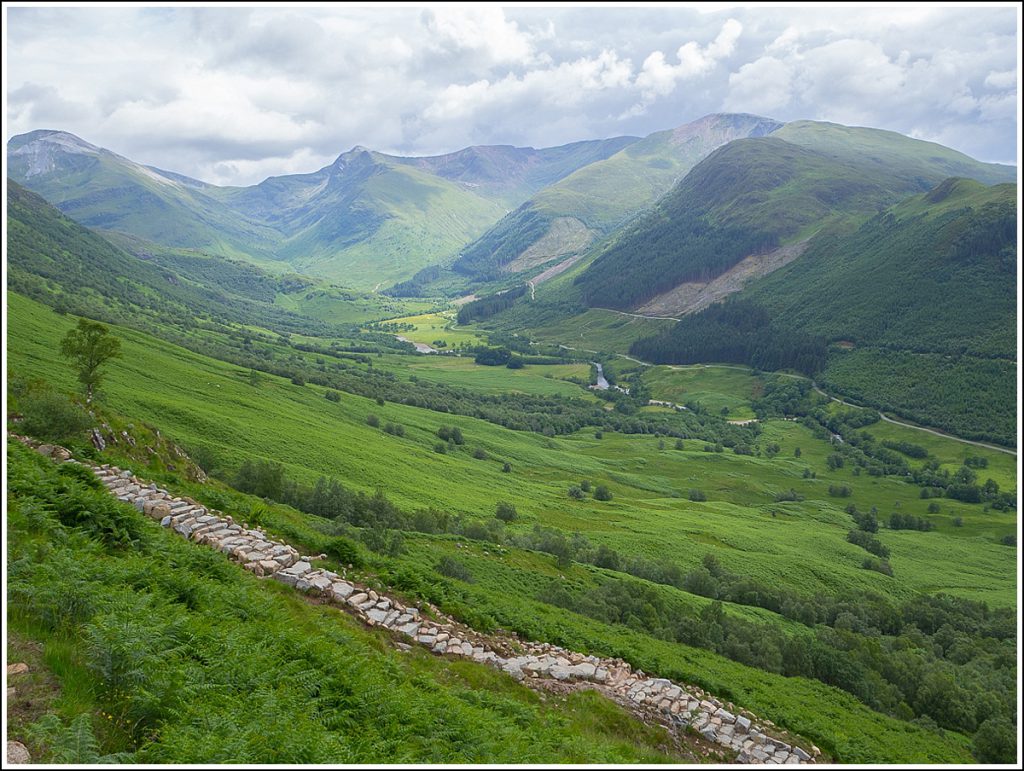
(673, 704)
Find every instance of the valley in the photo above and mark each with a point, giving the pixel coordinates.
(729, 408)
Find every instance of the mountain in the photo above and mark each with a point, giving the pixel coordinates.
(103, 190)
(917, 308)
(366, 219)
(753, 196)
(567, 216)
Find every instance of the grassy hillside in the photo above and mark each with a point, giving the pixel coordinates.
(198, 661)
(201, 401)
(892, 154)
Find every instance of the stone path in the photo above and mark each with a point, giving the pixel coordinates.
(674, 704)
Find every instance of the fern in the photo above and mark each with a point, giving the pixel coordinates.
(72, 743)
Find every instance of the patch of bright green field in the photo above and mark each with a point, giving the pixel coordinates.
(540, 379)
(198, 400)
(715, 387)
(343, 306)
(435, 328)
(598, 330)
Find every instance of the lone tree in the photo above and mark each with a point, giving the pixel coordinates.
(90, 346)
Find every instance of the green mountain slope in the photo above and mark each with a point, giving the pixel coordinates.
(887, 152)
(920, 301)
(601, 196)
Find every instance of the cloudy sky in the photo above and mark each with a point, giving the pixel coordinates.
(231, 95)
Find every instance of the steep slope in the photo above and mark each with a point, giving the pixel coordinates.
(601, 196)
(103, 190)
(920, 302)
(53, 258)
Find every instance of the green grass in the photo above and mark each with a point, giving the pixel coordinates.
(712, 386)
(431, 328)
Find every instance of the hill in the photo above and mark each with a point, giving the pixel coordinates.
(918, 304)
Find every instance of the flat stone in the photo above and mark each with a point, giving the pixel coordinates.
(377, 615)
(410, 628)
(781, 756)
(427, 639)
(354, 600)
(584, 670)
(166, 521)
(299, 568)
(286, 578)
(341, 589)
(17, 669)
(800, 753)
(708, 733)
(743, 723)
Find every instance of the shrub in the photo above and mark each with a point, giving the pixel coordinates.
(297, 380)
(599, 435)
(576, 492)
(441, 447)
(506, 467)
(585, 485)
(345, 551)
(372, 420)
(451, 567)
(506, 512)
(332, 396)
(697, 495)
(679, 444)
(868, 543)
(50, 415)
(480, 453)
(602, 493)
(839, 491)
(934, 508)
(789, 495)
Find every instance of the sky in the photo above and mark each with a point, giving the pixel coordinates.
(231, 95)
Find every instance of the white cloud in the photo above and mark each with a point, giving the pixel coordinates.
(233, 93)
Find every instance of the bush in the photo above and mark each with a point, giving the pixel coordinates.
(576, 492)
(395, 429)
(506, 467)
(50, 415)
(599, 435)
(297, 380)
(1009, 540)
(451, 567)
(868, 543)
(697, 495)
(506, 512)
(480, 453)
(602, 493)
(332, 396)
(934, 508)
(441, 447)
(451, 434)
(679, 444)
(585, 485)
(789, 495)
(372, 420)
(839, 491)
(345, 551)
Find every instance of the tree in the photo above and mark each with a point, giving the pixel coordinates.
(505, 511)
(90, 346)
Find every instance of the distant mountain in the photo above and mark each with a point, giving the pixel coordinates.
(565, 218)
(366, 219)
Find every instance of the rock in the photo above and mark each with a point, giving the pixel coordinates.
(17, 669)
(427, 639)
(801, 753)
(584, 670)
(342, 590)
(743, 723)
(377, 614)
(601, 675)
(708, 733)
(45, 449)
(355, 600)
(17, 752)
(410, 628)
(781, 756)
(166, 521)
